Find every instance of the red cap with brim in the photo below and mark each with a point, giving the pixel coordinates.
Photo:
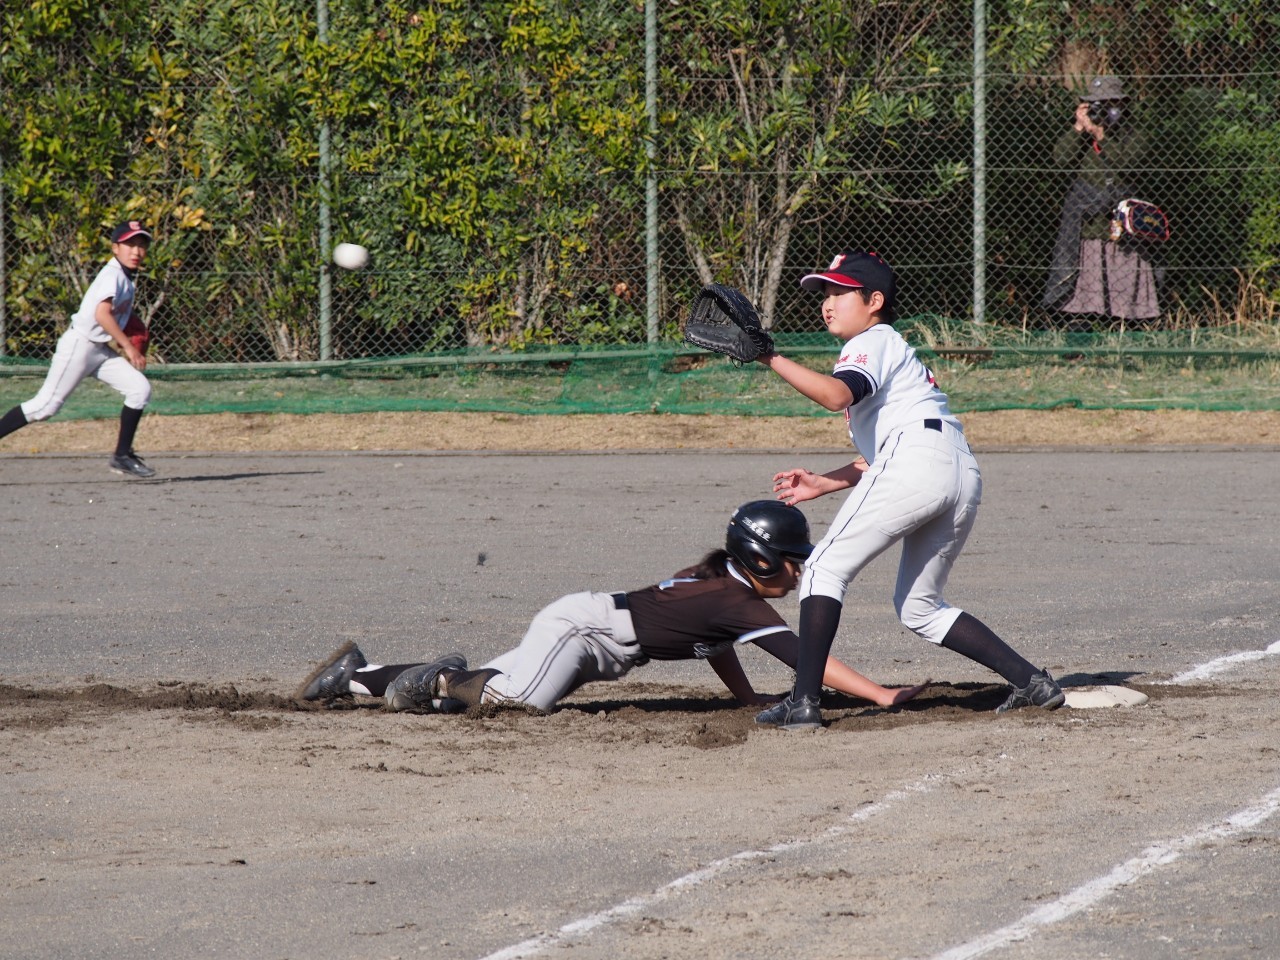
(857, 268)
(854, 268)
(813, 281)
(128, 230)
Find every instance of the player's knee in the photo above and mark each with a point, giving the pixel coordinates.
(820, 582)
(42, 412)
(922, 615)
(138, 395)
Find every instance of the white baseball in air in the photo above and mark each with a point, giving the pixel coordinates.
(351, 256)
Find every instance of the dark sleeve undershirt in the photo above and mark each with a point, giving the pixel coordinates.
(859, 383)
(784, 645)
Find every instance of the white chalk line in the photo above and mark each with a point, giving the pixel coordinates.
(1062, 908)
(578, 928)
(1213, 667)
(1130, 871)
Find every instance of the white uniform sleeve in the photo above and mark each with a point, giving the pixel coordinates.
(113, 284)
(903, 389)
(867, 356)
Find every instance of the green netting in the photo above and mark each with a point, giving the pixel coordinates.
(1088, 371)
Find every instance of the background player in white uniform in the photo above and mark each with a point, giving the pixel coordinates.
(82, 350)
(703, 612)
(916, 481)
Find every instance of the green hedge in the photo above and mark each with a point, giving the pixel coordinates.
(493, 155)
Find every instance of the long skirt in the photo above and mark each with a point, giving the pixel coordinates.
(1114, 281)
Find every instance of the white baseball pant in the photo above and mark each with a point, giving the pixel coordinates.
(574, 640)
(923, 488)
(75, 358)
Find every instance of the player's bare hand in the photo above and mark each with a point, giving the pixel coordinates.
(798, 485)
(903, 694)
(135, 357)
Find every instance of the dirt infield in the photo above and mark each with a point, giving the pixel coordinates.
(166, 797)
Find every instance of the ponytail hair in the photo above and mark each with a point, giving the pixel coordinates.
(714, 564)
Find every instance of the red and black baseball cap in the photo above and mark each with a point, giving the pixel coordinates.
(128, 230)
(858, 268)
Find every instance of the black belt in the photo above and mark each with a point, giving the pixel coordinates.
(933, 424)
(620, 602)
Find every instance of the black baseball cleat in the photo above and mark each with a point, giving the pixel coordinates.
(1041, 691)
(792, 714)
(416, 689)
(130, 464)
(332, 679)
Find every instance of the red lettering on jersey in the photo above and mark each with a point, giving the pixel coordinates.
(861, 358)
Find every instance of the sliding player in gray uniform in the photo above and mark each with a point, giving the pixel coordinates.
(83, 351)
(703, 612)
(916, 482)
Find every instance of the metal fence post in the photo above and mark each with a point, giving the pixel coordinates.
(326, 284)
(3, 328)
(651, 177)
(979, 161)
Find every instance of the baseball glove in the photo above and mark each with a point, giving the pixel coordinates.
(138, 333)
(724, 321)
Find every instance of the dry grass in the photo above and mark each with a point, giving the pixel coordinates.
(228, 432)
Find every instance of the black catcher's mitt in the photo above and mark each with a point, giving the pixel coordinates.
(724, 321)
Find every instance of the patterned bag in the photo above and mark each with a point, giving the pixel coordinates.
(1142, 220)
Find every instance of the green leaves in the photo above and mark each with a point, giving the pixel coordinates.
(492, 153)
(807, 106)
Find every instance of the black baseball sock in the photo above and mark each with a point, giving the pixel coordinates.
(12, 421)
(378, 679)
(819, 618)
(129, 420)
(972, 638)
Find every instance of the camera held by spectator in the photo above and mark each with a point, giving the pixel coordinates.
(1106, 113)
(1103, 103)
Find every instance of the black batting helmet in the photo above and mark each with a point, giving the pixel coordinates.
(763, 533)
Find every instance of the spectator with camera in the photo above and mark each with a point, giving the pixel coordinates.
(1098, 270)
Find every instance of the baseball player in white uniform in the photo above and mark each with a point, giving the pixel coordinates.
(916, 482)
(703, 612)
(83, 350)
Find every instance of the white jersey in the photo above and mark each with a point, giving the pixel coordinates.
(112, 283)
(903, 390)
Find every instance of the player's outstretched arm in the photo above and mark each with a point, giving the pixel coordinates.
(822, 389)
(729, 669)
(841, 677)
(798, 484)
(838, 676)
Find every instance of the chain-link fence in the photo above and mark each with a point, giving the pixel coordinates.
(532, 176)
